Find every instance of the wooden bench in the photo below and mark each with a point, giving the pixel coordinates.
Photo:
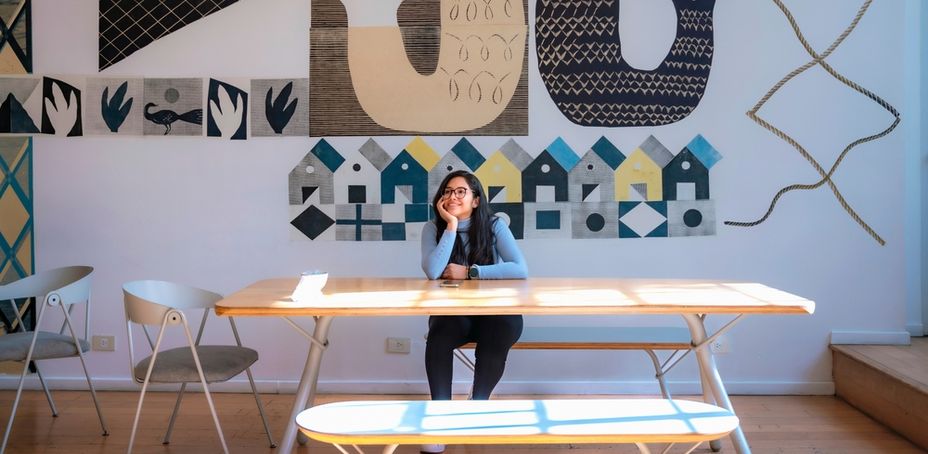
(555, 421)
(648, 339)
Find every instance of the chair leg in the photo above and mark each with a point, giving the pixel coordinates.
(48, 394)
(180, 396)
(80, 354)
(138, 413)
(254, 390)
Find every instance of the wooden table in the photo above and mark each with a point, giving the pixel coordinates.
(694, 300)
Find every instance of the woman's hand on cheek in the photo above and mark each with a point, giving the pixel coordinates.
(448, 217)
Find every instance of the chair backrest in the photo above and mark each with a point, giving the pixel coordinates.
(148, 301)
(56, 287)
(67, 285)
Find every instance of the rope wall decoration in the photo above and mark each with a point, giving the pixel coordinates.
(819, 59)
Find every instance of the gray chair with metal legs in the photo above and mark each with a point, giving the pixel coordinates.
(159, 303)
(61, 288)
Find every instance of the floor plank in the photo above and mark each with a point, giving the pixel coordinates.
(772, 424)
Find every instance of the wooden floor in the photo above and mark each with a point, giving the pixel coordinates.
(773, 424)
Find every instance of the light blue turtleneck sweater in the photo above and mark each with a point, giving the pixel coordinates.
(509, 261)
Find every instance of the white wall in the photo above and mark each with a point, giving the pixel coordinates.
(214, 214)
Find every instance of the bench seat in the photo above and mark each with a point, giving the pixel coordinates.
(602, 338)
(550, 421)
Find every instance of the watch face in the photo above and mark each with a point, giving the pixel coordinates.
(472, 272)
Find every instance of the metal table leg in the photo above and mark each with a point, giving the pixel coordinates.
(710, 374)
(307, 388)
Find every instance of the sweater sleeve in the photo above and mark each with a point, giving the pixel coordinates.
(435, 254)
(511, 263)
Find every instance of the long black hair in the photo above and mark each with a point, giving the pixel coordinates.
(480, 234)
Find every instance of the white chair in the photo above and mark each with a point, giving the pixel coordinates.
(150, 303)
(62, 288)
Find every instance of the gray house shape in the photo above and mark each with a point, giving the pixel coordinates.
(314, 175)
(463, 156)
(593, 178)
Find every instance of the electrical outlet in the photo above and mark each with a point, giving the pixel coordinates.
(103, 343)
(398, 345)
(720, 345)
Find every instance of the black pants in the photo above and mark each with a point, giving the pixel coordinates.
(494, 335)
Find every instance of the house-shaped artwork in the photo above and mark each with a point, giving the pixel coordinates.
(593, 178)
(408, 174)
(313, 177)
(686, 177)
(501, 173)
(638, 178)
(358, 180)
(463, 156)
(545, 179)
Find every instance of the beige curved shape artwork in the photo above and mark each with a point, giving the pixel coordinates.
(479, 65)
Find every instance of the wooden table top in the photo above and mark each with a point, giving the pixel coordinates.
(534, 296)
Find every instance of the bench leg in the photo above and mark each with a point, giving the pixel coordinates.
(643, 448)
(710, 374)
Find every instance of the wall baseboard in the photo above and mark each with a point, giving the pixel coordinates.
(814, 388)
(839, 337)
(916, 329)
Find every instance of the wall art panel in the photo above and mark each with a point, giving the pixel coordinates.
(279, 107)
(581, 64)
(173, 107)
(370, 194)
(449, 67)
(115, 107)
(127, 26)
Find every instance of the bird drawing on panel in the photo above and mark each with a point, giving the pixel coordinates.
(167, 117)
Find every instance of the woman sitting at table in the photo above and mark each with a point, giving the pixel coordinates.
(467, 241)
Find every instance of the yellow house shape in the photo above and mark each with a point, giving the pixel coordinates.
(642, 172)
(423, 153)
(499, 171)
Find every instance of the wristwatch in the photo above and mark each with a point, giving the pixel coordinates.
(473, 272)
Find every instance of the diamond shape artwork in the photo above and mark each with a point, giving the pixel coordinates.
(642, 219)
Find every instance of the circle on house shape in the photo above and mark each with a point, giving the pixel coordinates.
(356, 167)
(686, 165)
(589, 167)
(545, 168)
(405, 166)
(450, 168)
(595, 222)
(692, 218)
(310, 169)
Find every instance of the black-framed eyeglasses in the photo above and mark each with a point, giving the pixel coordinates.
(459, 193)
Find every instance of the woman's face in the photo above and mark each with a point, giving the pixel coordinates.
(458, 198)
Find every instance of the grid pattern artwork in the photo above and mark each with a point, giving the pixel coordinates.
(16, 37)
(16, 240)
(129, 25)
(370, 194)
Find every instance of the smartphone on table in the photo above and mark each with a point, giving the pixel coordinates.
(450, 283)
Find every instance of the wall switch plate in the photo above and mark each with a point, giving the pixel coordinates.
(397, 345)
(103, 343)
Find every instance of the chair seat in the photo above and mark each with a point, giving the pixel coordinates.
(220, 363)
(48, 345)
